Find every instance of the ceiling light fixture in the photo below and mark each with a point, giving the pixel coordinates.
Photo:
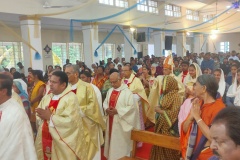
(132, 29)
(214, 31)
(213, 36)
(188, 33)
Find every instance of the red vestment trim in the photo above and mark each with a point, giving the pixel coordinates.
(74, 91)
(131, 81)
(112, 104)
(46, 136)
(49, 92)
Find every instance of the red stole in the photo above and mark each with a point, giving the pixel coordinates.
(46, 136)
(49, 92)
(112, 104)
(74, 91)
(126, 81)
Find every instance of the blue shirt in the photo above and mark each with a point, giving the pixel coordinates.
(207, 64)
(229, 80)
(135, 68)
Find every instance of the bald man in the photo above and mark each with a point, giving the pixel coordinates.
(121, 119)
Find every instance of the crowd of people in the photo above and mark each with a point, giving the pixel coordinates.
(69, 112)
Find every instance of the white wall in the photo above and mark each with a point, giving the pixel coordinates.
(5, 36)
(232, 38)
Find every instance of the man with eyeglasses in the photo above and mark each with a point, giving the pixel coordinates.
(139, 94)
(92, 118)
(225, 135)
(121, 119)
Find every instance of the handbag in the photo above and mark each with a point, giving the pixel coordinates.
(173, 127)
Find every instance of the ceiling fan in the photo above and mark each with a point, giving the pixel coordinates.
(46, 5)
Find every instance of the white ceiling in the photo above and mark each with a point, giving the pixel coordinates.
(91, 9)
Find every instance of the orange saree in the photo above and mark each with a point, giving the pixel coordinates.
(208, 113)
(99, 82)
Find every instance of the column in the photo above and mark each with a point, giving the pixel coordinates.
(159, 43)
(198, 43)
(144, 49)
(128, 49)
(31, 32)
(205, 39)
(181, 44)
(211, 46)
(90, 42)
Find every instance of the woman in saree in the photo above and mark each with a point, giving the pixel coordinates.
(170, 103)
(146, 79)
(223, 86)
(17, 87)
(100, 78)
(233, 94)
(107, 85)
(195, 133)
(35, 94)
(194, 71)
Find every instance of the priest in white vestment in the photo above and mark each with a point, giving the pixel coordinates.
(16, 139)
(121, 120)
(92, 118)
(60, 132)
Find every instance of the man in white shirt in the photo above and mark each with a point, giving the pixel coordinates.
(200, 58)
(233, 56)
(16, 137)
(116, 62)
(21, 67)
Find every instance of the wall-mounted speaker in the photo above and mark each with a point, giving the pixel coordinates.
(168, 42)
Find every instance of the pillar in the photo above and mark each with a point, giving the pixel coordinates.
(31, 33)
(181, 44)
(159, 43)
(211, 46)
(90, 42)
(198, 43)
(205, 39)
(144, 49)
(128, 49)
